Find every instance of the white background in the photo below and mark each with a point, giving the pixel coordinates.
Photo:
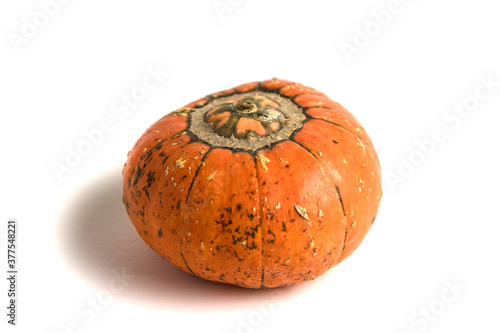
(438, 223)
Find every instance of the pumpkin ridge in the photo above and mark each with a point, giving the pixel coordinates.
(202, 160)
(313, 92)
(367, 144)
(137, 173)
(343, 247)
(196, 172)
(348, 130)
(320, 163)
(185, 262)
(260, 221)
(340, 199)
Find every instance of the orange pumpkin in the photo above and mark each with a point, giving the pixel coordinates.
(264, 185)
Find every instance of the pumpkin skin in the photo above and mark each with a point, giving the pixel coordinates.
(264, 185)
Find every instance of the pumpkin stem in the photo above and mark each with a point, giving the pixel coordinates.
(246, 106)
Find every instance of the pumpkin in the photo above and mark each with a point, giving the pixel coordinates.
(264, 185)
